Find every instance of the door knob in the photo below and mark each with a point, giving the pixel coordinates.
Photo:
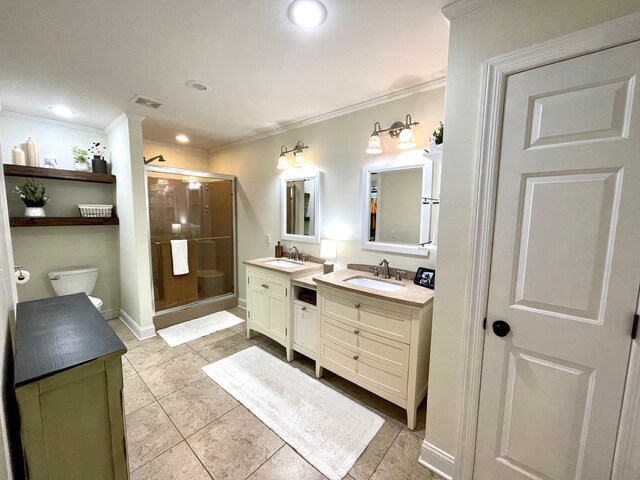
(501, 328)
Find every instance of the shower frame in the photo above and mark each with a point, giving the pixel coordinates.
(193, 173)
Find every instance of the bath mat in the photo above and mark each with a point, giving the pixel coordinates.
(328, 429)
(187, 331)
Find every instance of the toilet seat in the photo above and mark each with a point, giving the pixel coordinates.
(96, 302)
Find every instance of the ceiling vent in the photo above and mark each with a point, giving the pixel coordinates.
(146, 102)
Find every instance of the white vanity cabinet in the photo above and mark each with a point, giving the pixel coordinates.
(268, 303)
(305, 326)
(381, 345)
(270, 310)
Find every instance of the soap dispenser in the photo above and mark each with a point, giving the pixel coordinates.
(279, 250)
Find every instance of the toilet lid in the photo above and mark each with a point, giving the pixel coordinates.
(96, 301)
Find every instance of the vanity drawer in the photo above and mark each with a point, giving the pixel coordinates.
(365, 369)
(276, 285)
(390, 352)
(382, 318)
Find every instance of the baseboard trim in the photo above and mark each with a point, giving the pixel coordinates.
(242, 302)
(141, 333)
(110, 313)
(437, 460)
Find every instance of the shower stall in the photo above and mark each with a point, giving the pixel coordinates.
(198, 207)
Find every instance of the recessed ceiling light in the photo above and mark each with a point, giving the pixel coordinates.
(62, 111)
(307, 13)
(182, 138)
(198, 85)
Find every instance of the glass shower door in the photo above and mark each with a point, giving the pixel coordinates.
(199, 208)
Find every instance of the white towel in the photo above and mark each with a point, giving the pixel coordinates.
(180, 257)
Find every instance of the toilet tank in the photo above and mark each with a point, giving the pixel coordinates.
(74, 280)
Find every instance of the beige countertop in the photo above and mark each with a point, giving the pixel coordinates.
(308, 281)
(412, 294)
(304, 269)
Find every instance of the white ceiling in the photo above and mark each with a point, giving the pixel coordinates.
(94, 56)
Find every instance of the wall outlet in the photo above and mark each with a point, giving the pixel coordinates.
(267, 238)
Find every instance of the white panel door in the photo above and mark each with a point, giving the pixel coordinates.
(565, 270)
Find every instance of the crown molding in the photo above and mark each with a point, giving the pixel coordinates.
(460, 7)
(121, 118)
(175, 145)
(48, 121)
(389, 97)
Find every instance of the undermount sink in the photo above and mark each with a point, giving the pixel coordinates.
(375, 284)
(281, 263)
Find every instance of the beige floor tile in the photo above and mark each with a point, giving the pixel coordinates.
(240, 329)
(225, 348)
(239, 312)
(235, 445)
(127, 369)
(286, 464)
(384, 408)
(149, 433)
(204, 343)
(179, 463)
(197, 405)
(401, 461)
(153, 351)
(136, 394)
(167, 377)
(375, 451)
(122, 331)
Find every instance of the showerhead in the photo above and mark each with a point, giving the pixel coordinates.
(160, 158)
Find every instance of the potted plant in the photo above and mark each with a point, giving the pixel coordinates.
(80, 159)
(98, 163)
(436, 140)
(33, 194)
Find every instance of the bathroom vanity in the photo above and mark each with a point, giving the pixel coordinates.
(269, 293)
(68, 383)
(376, 333)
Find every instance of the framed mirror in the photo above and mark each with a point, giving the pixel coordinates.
(397, 207)
(300, 203)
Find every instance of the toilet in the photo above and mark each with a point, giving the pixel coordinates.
(76, 280)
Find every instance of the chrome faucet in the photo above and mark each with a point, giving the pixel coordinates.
(385, 265)
(295, 255)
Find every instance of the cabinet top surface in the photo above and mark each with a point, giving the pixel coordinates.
(410, 293)
(300, 269)
(58, 333)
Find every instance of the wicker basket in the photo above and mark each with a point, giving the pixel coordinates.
(102, 211)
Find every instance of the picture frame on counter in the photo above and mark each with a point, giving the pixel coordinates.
(425, 277)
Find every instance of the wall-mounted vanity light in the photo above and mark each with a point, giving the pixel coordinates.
(399, 130)
(298, 155)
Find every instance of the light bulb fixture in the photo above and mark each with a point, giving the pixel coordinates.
(375, 144)
(182, 138)
(399, 130)
(297, 153)
(283, 163)
(62, 111)
(405, 139)
(307, 13)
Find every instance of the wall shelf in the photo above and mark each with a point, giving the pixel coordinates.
(56, 174)
(61, 221)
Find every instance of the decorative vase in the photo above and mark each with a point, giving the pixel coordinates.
(82, 167)
(98, 165)
(17, 156)
(34, 212)
(33, 155)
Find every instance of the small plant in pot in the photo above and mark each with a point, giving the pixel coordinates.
(80, 159)
(98, 164)
(34, 196)
(436, 139)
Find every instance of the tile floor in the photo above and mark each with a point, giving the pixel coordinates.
(181, 425)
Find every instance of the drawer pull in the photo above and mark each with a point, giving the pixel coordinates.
(356, 332)
(355, 357)
(266, 286)
(357, 305)
(304, 309)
